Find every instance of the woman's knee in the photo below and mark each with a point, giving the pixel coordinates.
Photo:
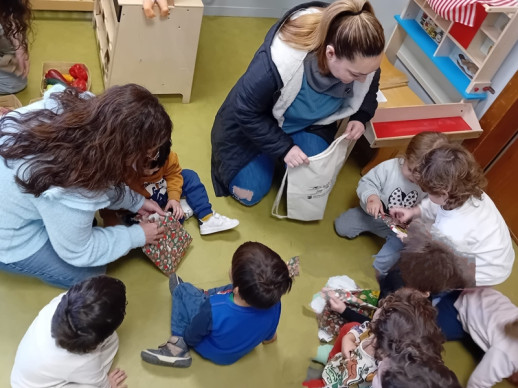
(248, 196)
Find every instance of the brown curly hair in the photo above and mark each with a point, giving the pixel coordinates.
(15, 19)
(409, 370)
(451, 169)
(92, 143)
(421, 144)
(406, 319)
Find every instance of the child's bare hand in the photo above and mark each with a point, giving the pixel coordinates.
(116, 377)
(348, 345)
(402, 214)
(273, 339)
(152, 231)
(374, 206)
(335, 303)
(174, 207)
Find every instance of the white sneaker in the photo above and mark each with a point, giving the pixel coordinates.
(187, 211)
(217, 223)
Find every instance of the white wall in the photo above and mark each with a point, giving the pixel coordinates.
(385, 10)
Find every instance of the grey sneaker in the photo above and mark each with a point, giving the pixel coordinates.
(174, 281)
(174, 352)
(217, 223)
(187, 210)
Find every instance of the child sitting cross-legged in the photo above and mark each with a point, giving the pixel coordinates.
(223, 324)
(389, 184)
(165, 182)
(72, 341)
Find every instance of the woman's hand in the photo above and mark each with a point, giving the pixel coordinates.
(295, 157)
(176, 208)
(348, 345)
(374, 206)
(354, 130)
(150, 207)
(116, 377)
(152, 231)
(22, 58)
(404, 215)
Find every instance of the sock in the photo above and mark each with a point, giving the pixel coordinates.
(206, 218)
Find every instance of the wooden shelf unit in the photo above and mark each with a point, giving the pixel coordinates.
(158, 53)
(436, 63)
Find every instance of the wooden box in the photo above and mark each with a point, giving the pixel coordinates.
(394, 127)
(158, 53)
(63, 68)
(10, 101)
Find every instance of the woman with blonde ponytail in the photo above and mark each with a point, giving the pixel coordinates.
(318, 64)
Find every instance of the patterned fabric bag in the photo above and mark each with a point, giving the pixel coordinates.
(171, 249)
(361, 301)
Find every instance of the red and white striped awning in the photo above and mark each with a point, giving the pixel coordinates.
(463, 11)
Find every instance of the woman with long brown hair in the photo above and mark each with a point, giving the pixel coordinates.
(62, 159)
(318, 64)
(15, 17)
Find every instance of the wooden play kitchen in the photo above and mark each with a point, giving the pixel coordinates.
(158, 53)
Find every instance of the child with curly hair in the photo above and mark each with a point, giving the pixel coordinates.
(404, 322)
(462, 213)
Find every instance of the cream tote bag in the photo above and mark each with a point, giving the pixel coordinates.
(309, 185)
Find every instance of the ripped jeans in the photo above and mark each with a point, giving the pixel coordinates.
(254, 180)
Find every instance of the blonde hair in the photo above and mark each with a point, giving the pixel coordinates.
(421, 144)
(348, 25)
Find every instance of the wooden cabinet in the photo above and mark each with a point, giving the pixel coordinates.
(158, 53)
(453, 62)
(63, 5)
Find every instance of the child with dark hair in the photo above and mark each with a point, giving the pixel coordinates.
(223, 324)
(408, 370)
(165, 182)
(462, 213)
(73, 340)
(389, 184)
(404, 321)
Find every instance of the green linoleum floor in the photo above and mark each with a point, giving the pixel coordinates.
(225, 49)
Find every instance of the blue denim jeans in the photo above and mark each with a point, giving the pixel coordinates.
(194, 192)
(447, 315)
(47, 266)
(257, 176)
(187, 300)
(356, 221)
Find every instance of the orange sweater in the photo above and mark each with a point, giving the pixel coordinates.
(170, 171)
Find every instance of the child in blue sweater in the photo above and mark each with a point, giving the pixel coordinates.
(223, 324)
